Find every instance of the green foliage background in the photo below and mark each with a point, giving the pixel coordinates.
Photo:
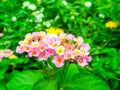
(103, 73)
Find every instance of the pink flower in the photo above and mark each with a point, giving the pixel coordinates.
(27, 48)
(58, 61)
(85, 46)
(70, 37)
(19, 49)
(1, 34)
(1, 57)
(33, 52)
(54, 38)
(69, 46)
(69, 54)
(35, 36)
(50, 52)
(43, 56)
(42, 47)
(7, 53)
(83, 60)
(62, 35)
(84, 49)
(88, 58)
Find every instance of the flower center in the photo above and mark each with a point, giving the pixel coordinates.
(59, 60)
(68, 55)
(34, 53)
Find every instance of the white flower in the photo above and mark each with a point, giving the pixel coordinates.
(47, 23)
(14, 18)
(32, 7)
(37, 20)
(42, 9)
(64, 2)
(26, 3)
(88, 4)
(39, 17)
(101, 15)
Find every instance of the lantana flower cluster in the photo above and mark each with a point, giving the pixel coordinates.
(63, 47)
(5, 53)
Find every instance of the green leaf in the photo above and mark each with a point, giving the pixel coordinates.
(70, 72)
(85, 81)
(2, 72)
(2, 88)
(24, 80)
(111, 57)
(45, 85)
(114, 84)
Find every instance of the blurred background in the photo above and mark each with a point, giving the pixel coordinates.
(97, 21)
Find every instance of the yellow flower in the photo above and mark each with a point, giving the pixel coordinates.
(54, 30)
(39, 2)
(111, 24)
(42, 34)
(28, 36)
(55, 44)
(13, 57)
(24, 43)
(58, 30)
(50, 30)
(60, 50)
(77, 52)
(35, 44)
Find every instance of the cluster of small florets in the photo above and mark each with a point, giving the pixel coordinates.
(63, 47)
(5, 53)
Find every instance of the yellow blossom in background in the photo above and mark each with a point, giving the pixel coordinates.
(54, 30)
(39, 2)
(111, 24)
(13, 57)
(51, 30)
(59, 30)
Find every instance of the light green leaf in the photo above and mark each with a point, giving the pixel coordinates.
(24, 80)
(84, 81)
(45, 85)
